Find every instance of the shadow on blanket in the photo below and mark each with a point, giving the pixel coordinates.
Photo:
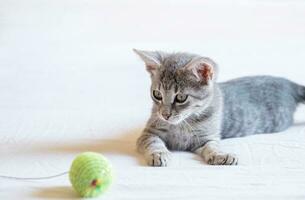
(57, 192)
(123, 144)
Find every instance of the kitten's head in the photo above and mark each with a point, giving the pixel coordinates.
(182, 83)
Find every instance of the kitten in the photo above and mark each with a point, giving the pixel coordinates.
(192, 112)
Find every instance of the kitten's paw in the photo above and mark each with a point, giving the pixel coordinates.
(222, 159)
(158, 159)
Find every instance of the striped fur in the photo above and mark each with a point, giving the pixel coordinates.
(212, 111)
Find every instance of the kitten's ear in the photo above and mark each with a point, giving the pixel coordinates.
(152, 59)
(204, 69)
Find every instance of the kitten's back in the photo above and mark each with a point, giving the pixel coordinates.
(258, 104)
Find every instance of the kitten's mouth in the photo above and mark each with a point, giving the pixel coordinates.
(174, 120)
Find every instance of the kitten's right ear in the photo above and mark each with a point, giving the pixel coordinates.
(152, 60)
(204, 69)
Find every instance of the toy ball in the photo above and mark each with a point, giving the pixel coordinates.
(90, 174)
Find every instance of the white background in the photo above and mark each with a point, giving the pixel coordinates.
(69, 82)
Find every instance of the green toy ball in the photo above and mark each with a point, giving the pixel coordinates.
(90, 174)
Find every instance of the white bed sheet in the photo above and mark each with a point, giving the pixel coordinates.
(69, 83)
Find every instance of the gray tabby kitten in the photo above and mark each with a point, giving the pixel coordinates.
(192, 112)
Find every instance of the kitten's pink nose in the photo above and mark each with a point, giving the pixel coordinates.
(166, 115)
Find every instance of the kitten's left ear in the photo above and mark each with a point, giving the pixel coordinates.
(203, 68)
(152, 60)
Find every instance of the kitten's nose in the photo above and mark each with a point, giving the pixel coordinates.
(166, 115)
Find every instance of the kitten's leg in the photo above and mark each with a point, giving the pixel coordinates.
(212, 154)
(153, 149)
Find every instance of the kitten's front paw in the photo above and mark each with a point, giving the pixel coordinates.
(222, 159)
(158, 159)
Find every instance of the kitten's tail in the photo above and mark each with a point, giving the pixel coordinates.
(300, 94)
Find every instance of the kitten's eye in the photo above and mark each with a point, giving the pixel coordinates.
(157, 95)
(181, 98)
